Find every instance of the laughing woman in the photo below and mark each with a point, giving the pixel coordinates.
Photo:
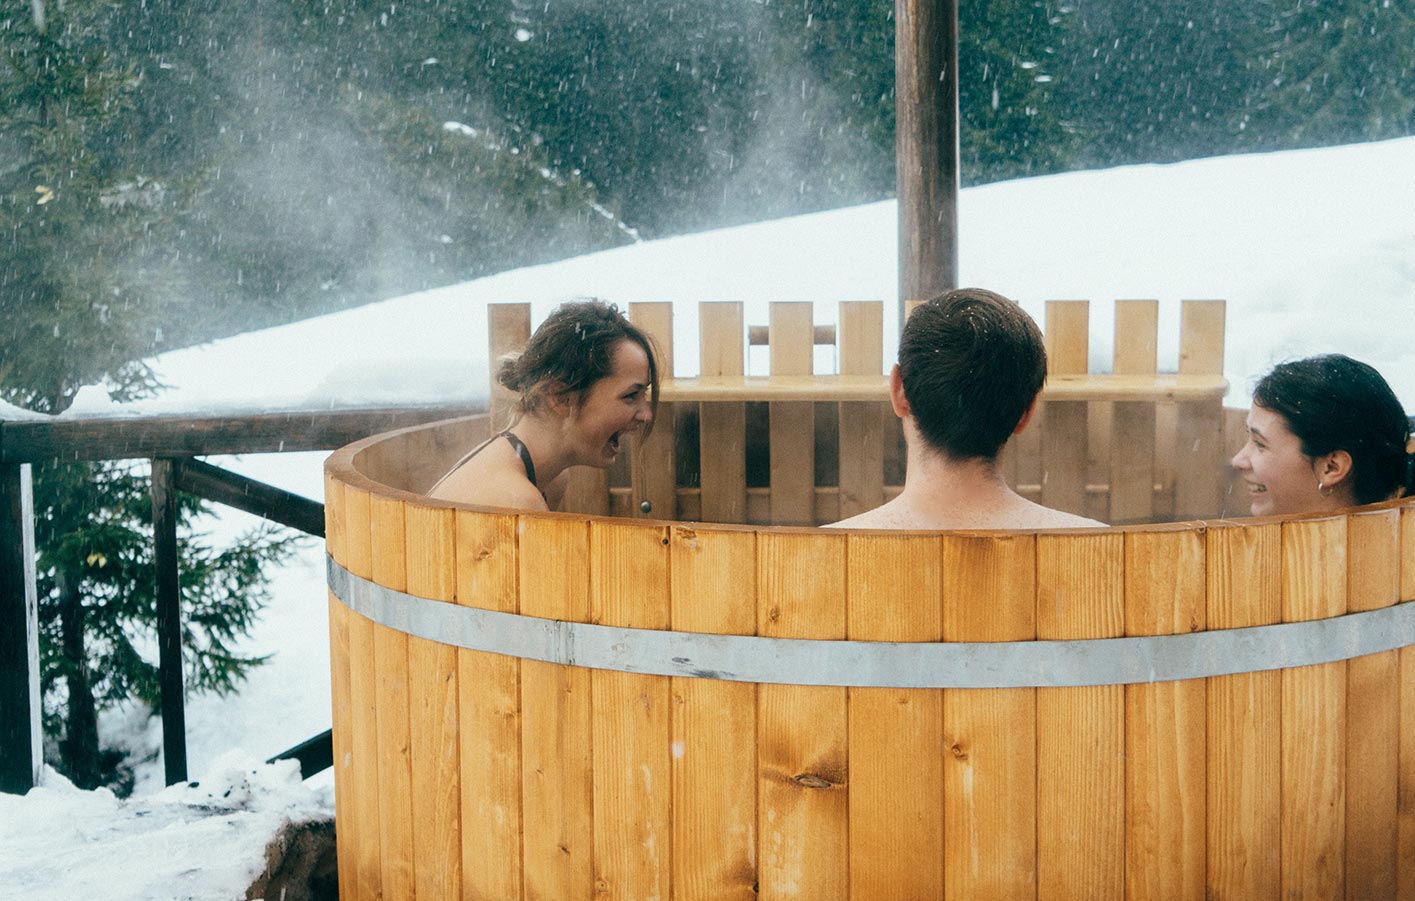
(586, 379)
(1324, 433)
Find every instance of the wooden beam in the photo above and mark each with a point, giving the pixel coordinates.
(926, 147)
(127, 438)
(21, 731)
(267, 501)
(314, 754)
(169, 621)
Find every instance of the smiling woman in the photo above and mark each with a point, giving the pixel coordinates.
(586, 378)
(1324, 433)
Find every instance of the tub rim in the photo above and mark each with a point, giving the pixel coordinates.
(342, 466)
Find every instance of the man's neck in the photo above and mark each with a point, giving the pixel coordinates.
(938, 485)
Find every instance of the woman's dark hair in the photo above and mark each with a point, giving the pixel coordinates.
(1332, 403)
(971, 362)
(573, 349)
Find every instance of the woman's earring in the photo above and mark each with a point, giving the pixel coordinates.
(1322, 489)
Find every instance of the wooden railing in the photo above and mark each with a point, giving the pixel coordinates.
(171, 443)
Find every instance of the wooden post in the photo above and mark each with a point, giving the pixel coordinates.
(926, 146)
(169, 620)
(20, 729)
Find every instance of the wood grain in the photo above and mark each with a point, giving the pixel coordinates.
(1373, 713)
(429, 549)
(714, 745)
(1244, 575)
(792, 437)
(629, 586)
(1199, 443)
(722, 425)
(861, 423)
(364, 833)
(1165, 742)
(1080, 731)
(1314, 717)
(1064, 423)
(896, 735)
(653, 457)
(340, 693)
(990, 735)
(1405, 795)
(803, 768)
(390, 664)
(489, 713)
(1132, 437)
(557, 775)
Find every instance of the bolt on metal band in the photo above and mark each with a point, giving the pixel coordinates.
(881, 664)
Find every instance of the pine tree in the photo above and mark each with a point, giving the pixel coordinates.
(1336, 70)
(83, 279)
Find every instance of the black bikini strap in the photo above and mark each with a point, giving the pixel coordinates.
(520, 448)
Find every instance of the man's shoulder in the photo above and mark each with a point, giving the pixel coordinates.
(1048, 518)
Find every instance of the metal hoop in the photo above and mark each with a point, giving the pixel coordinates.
(882, 664)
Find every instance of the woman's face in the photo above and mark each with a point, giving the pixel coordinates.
(1279, 478)
(613, 406)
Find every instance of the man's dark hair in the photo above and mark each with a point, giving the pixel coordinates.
(971, 362)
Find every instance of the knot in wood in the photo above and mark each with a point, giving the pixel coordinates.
(811, 780)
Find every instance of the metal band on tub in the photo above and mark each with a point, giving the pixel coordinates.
(881, 664)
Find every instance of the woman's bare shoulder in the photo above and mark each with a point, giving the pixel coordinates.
(490, 483)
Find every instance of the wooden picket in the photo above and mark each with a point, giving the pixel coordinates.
(792, 438)
(1131, 449)
(1199, 440)
(1064, 423)
(862, 431)
(654, 477)
(722, 425)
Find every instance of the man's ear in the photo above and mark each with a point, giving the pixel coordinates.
(1333, 468)
(1026, 417)
(897, 400)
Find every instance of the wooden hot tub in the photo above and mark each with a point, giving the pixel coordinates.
(567, 706)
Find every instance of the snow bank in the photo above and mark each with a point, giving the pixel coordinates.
(195, 841)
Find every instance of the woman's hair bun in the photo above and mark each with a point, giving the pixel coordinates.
(508, 373)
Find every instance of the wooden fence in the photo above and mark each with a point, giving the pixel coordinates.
(799, 447)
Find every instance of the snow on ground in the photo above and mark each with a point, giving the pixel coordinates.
(1314, 251)
(193, 841)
